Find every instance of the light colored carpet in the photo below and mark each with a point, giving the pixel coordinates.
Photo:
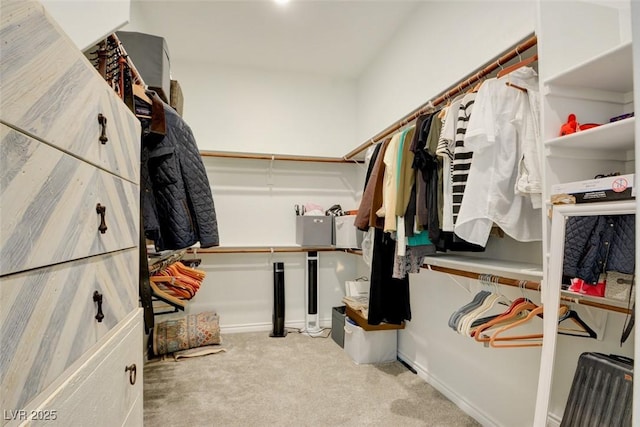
(293, 381)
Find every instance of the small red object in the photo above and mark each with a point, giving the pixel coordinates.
(594, 290)
(572, 126)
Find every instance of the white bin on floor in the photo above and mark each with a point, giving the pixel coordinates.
(370, 346)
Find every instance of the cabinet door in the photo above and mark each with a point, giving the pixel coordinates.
(48, 319)
(100, 393)
(49, 206)
(51, 91)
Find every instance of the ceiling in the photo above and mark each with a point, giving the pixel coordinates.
(329, 37)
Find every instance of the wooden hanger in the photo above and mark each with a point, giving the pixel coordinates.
(503, 72)
(583, 329)
(476, 88)
(512, 314)
(139, 92)
(495, 338)
(563, 313)
(169, 299)
(181, 289)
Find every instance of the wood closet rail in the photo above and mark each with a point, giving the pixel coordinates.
(260, 249)
(457, 88)
(285, 157)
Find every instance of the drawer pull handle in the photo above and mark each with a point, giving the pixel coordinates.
(132, 373)
(102, 210)
(97, 297)
(103, 132)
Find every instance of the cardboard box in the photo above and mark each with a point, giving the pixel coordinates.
(316, 231)
(347, 235)
(370, 346)
(150, 55)
(607, 189)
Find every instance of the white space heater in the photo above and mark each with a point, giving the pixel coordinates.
(312, 318)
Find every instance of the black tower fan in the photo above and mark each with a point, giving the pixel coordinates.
(278, 301)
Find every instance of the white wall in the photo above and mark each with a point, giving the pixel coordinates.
(263, 111)
(254, 205)
(252, 110)
(87, 22)
(239, 287)
(426, 57)
(442, 43)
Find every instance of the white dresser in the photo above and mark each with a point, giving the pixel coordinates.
(70, 323)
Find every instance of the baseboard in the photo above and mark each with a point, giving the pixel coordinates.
(265, 326)
(458, 400)
(553, 420)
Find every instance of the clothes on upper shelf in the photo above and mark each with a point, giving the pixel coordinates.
(177, 203)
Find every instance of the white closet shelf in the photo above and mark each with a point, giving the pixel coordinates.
(609, 140)
(519, 270)
(621, 207)
(611, 71)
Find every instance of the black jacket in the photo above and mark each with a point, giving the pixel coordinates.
(177, 201)
(597, 244)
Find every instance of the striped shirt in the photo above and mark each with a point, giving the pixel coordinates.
(461, 155)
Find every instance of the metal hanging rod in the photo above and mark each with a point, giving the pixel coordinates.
(454, 90)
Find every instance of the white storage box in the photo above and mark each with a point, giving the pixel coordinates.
(370, 346)
(347, 235)
(620, 187)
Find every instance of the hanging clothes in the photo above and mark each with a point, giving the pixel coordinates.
(177, 202)
(388, 297)
(444, 151)
(527, 123)
(405, 177)
(462, 155)
(428, 175)
(418, 144)
(489, 195)
(594, 245)
(446, 147)
(372, 196)
(390, 184)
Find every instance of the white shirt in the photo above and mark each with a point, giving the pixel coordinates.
(497, 146)
(527, 123)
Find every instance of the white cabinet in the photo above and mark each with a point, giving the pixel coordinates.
(586, 69)
(69, 231)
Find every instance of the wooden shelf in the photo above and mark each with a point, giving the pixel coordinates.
(611, 140)
(477, 266)
(284, 157)
(364, 324)
(611, 71)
